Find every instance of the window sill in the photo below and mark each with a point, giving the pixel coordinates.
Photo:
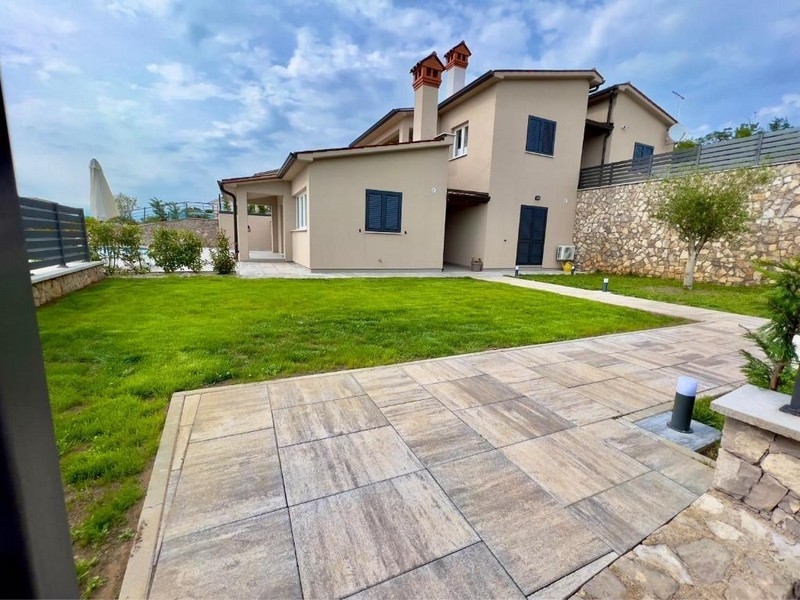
(539, 154)
(459, 156)
(384, 232)
(301, 229)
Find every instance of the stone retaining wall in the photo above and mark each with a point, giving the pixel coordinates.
(614, 233)
(205, 228)
(56, 286)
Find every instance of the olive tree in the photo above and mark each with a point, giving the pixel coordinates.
(705, 207)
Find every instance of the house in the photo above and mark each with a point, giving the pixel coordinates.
(490, 172)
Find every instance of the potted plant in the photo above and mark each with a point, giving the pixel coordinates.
(476, 264)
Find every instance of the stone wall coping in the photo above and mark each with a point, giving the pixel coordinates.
(56, 272)
(759, 407)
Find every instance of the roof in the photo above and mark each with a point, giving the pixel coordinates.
(637, 95)
(311, 155)
(486, 80)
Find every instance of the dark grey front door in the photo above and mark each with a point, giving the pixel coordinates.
(532, 226)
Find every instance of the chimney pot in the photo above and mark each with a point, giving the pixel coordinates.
(457, 61)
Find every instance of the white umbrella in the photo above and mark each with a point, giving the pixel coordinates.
(101, 200)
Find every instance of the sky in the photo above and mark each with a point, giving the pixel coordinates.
(172, 95)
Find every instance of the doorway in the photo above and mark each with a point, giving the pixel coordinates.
(532, 226)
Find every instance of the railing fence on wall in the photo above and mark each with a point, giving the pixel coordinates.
(54, 234)
(773, 147)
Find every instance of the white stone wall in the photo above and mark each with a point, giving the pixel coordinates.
(614, 233)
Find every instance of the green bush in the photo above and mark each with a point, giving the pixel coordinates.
(118, 244)
(222, 257)
(173, 249)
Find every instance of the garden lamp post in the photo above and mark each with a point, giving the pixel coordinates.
(793, 408)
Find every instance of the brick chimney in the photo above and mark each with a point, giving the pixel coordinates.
(427, 79)
(457, 60)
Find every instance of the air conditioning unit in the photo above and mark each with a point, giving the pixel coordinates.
(565, 253)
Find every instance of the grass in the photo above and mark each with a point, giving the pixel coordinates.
(115, 353)
(703, 413)
(743, 300)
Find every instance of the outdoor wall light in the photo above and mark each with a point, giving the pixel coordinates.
(537, 198)
(682, 408)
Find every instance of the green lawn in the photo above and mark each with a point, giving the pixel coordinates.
(115, 353)
(736, 299)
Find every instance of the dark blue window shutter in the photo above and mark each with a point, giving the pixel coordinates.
(374, 210)
(548, 137)
(534, 134)
(392, 212)
(642, 150)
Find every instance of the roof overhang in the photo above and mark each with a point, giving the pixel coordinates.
(638, 96)
(492, 77)
(297, 161)
(390, 119)
(593, 127)
(463, 198)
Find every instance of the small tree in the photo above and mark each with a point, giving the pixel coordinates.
(126, 205)
(703, 207)
(159, 209)
(776, 338)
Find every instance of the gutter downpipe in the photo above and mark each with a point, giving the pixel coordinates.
(235, 220)
(611, 99)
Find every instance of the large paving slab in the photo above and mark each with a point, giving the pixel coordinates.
(535, 539)
(222, 412)
(471, 391)
(294, 392)
(253, 558)
(224, 480)
(320, 420)
(512, 421)
(390, 386)
(469, 573)
(338, 464)
(433, 432)
(351, 541)
(573, 464)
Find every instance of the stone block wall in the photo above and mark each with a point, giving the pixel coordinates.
(614, 233)
(762, 469)
(205, 228)
(50, 289)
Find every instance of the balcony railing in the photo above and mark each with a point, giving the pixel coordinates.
(774, 147)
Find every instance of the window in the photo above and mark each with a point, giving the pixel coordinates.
(383, 211)
(301, 212)
(461, 134)
(541, 137)
(642, 157)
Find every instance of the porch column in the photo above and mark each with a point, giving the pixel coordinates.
(241, 221)
(287, 224)
(276, 242)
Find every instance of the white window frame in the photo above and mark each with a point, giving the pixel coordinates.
(301, 211)
(460, 140)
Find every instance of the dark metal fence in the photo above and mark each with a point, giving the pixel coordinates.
(761, 149)
(54, 234)
(174, 211)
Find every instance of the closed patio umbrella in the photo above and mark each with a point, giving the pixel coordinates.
(101, 200)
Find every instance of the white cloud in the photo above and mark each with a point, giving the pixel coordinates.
(178, 82)
(138, 8)
(789, 106)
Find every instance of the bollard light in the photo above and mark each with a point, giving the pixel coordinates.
(793, 408)
(605, 284)
(682, 408)
(516, 271)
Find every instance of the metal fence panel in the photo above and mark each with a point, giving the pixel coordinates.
(772, 147)
(54, 234)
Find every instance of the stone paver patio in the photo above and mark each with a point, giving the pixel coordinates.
(506, 473)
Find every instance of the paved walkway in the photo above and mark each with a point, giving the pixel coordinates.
(500, 474)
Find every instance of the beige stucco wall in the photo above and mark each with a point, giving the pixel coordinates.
(598, 111)
(592, 151)
(301, 248)
(260, 237)
(633, 123)
(518, 176)
(337, 210)
(465, 234)
(472, 171)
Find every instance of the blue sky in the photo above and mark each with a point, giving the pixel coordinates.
(171, 95)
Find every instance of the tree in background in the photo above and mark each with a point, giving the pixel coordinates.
(126, 205)
(729, 133)
(159, 209)
(703, 207)
(776, 338)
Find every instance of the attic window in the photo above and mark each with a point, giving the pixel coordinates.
(460, 140)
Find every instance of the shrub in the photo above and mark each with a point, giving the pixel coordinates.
(776, 338)
(172, 249)
(222, 257)
(117, 244)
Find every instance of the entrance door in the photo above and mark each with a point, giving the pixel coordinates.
(532, 225)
